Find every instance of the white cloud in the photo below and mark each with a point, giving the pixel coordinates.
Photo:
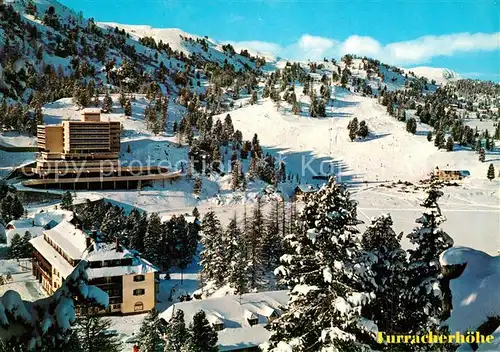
(256, 45)
(361, 46)
(416, 51)
(314, 44)
(424, 48)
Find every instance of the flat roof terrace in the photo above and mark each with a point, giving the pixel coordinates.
(125, 180)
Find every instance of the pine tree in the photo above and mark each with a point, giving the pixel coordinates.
(202, 337)
(107, 104)
(93, 334)
(254, 246)
(138, 233)
(31, 8)
(67, 201)
(254, 98)
(353, 129)
(17, 208)
(196, 213)
(6, 208)
(449, 144)
(296, 110)
(389, 264)
(235, 256)
(439, 140)
(491, 172)
(425, 297)
(496, 135)
(152, 238)
(128, 108)
(38, 115)
(228, 125)
(482, 155)
(213, 253)
(238, 269)
(26, 248)
(363, 130)
(236, 175)
(149, 336)
(177, 333)
(54, 338)
(271, 239)
(197, 186)
(328, 278)
(122, 99)
(16, 247)
(411, 125)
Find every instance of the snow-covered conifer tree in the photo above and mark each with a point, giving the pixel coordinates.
(271, 238)
(177, 333)
(236, 257)
(425, 296)
(202, 337)
(107, 103)
(253, 239)
(149, 336)
(328, 279)
(152, 239)
(47, 322)
(138, 230)
(212, 255)
(389, 263)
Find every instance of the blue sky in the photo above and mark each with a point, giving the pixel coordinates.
(463, 35)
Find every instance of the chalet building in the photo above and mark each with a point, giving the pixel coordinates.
(240, 321)
(304, 190)
(85, 154)
(130, 281)
(450, 175)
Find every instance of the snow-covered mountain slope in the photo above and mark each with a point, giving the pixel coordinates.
(174, 37)
(440, 75)
(189, 44)
(50, 34)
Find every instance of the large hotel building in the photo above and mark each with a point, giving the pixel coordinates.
(85, 154)
(131, 282)
(87, 141)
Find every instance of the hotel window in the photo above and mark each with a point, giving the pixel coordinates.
(139, 292)
(117, 306)
(138, 278)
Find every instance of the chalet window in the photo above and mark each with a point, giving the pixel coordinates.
(139, 292)
(117, 306)
(218, 326)
(139, 306)
(138, 278)
(253, 321)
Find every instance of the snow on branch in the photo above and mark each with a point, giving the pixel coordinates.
(48, 319)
